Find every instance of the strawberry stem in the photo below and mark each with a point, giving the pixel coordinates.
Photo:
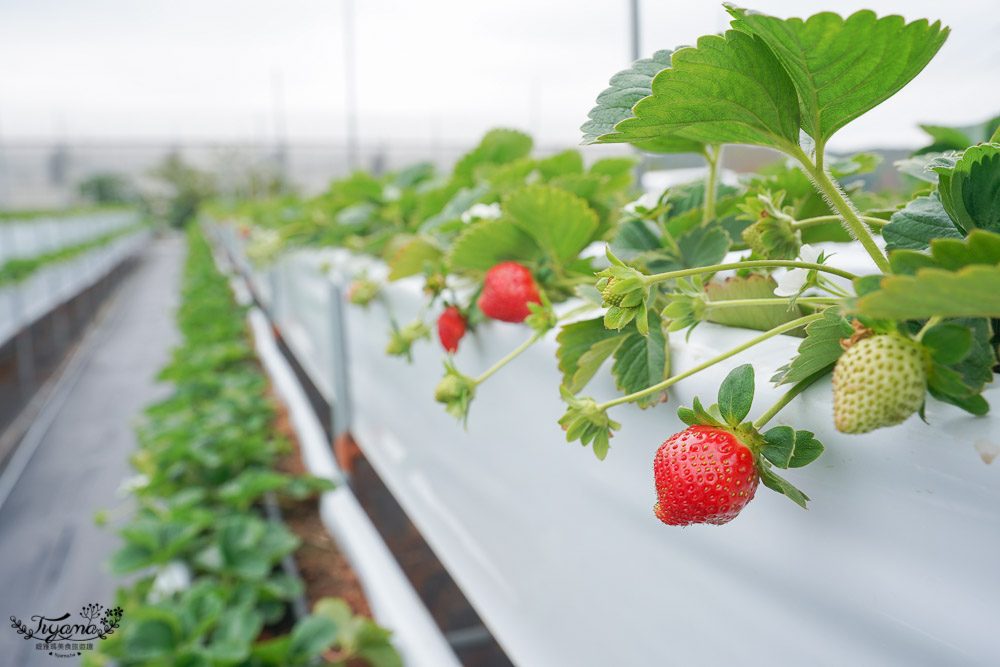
(839, 202)
(787, 398)
(819, 220)
(754, 264)
(932, 322)
(510, 357)
(808, 300)
(713, 155)
(787, 326)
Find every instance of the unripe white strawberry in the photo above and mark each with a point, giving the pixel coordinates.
(879, 381)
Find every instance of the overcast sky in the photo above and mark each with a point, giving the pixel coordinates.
(427, 70)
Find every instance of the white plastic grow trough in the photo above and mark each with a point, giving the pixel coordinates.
(55, 283)
(893, 564)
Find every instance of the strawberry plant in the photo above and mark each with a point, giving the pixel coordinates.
(208, 585)
(512, 238)
(920, 323)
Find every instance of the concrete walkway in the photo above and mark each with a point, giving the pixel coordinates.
(52, 555)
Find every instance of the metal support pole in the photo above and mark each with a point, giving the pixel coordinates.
(350, 87)
(634, 29)
(23, 347)
(340, 402)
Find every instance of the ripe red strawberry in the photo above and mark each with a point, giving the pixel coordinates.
(451, 328)
(703, 474)
(507, 291)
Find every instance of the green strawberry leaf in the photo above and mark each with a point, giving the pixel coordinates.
(704, 245)
(643, 360)
(959, 278)
(456, 206)
(567, 162)
(412, 257)
(922, 166)
(635, 237)
(959, 138)
(787, 448)
(980, 247)
(755, 286)
(728, 89)
(616, 102)
(736, 395)
(489, 242)
(948, 382)
(820, 349)
(973, 404)
(970, 191)
(948, 343)
(616, 173)
(843, 68)
(561, 223)
(771, 480)
(497, 147)
(973, 291)
(581, 346)
(698, 415)
(918, 223)
(976, 368)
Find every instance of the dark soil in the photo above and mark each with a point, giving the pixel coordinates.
(322, 566)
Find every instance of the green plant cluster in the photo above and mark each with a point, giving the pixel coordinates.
(18, 270)
(210, 591)
(787, 85)
(23, 216)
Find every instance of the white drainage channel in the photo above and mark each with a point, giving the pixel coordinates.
(393, 600)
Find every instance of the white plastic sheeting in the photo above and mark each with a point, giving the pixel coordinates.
(23, 303)
(394, 602)
(893, 564)
(40, 235)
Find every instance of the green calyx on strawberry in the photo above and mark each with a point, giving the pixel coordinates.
(708, 472)
(361, 291)
(508, 289)
(879, 381)
(456, 392)
(451, 327)
(772, 235)
(402, 339)
(587, 422)
(625, 292)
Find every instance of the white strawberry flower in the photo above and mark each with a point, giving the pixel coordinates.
(647, 202)
(132, 484)
(173, 577)
(482, 212)
(792, 281)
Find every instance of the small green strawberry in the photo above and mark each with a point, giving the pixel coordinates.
(879, 381)
(610, 298)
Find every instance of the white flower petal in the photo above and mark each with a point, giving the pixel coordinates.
(173, 577)
(807, 253)
(791, 282)
(482, 212)
(648, 201)
(132, 484)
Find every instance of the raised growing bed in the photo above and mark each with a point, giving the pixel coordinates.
(557, 550)
(560, 553)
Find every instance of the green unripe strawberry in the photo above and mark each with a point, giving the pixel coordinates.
(609, 298)
(879, 381)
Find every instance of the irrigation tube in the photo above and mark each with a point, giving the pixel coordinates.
(393, 601)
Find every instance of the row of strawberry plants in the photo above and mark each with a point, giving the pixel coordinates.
(19, 269)
(210, 590)
(509, 237)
